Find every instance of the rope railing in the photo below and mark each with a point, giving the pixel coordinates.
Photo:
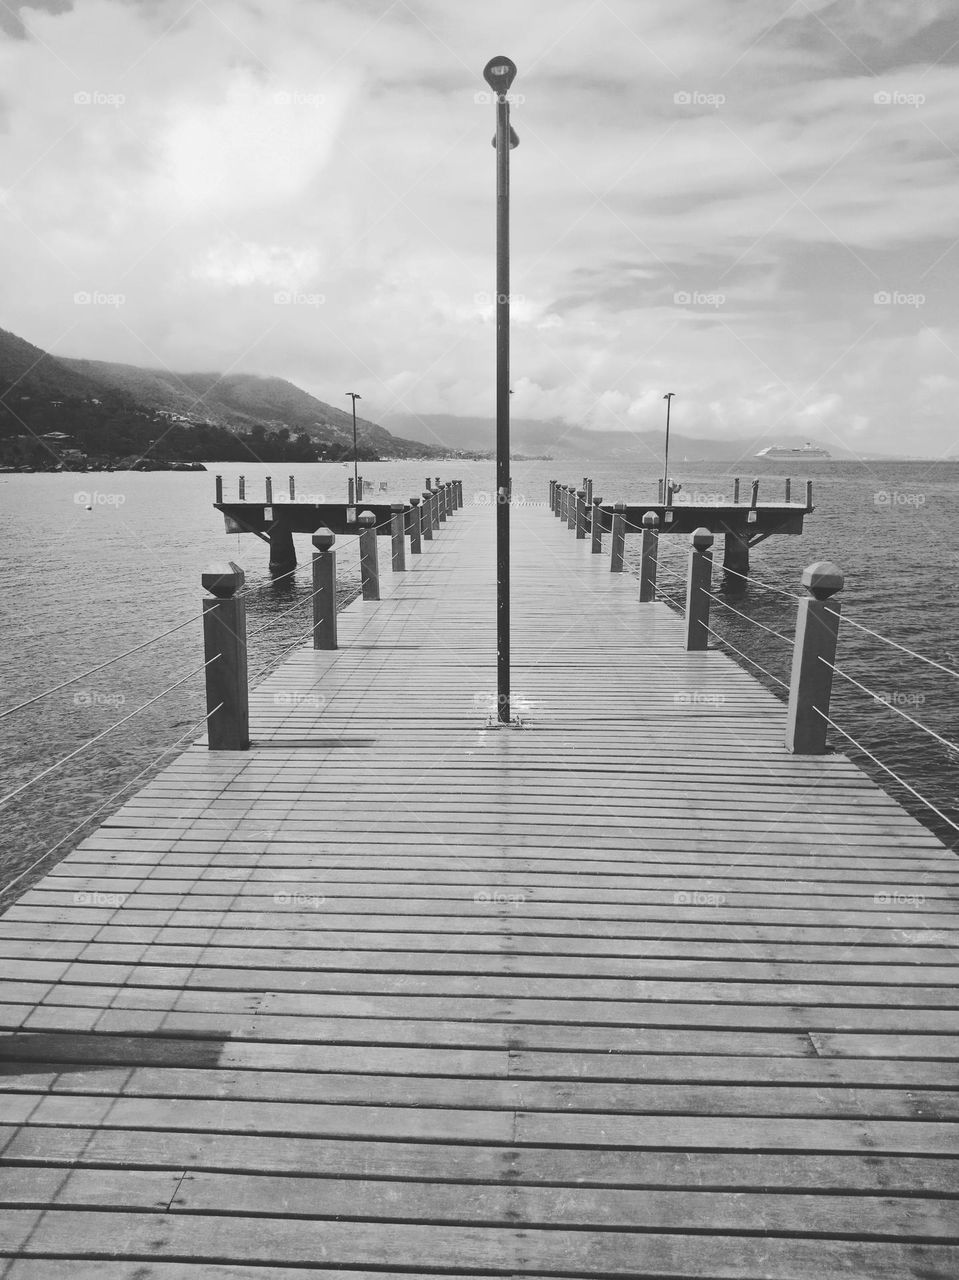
(109, 800)
(902, 782)
(57, 764)
(890, 706)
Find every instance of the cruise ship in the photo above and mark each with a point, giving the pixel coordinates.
(802, 455)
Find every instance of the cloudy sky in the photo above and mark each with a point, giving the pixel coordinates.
(752, 203)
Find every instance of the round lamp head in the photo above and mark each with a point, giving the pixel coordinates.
(499, 73)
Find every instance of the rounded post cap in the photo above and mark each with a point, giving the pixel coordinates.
(323, 538)
(823, 579)
(415, 502)
(596, 501)
(581, 493)
(650, 519)
(619, 506)
(366, 517)
(397, 506)
(701, 539)
(222, 579)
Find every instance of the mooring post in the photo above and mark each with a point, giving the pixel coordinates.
(398, 534)
(369, 562)
(814, 652)
(219, 489)
(414, 527)
(324, 589)
(292, 489)
(426, 516)
(650, 558)
(618, 539)
(736, 492)
(269, 491)
(596, 528)
(224, 650)
(581, 513)
(698, 582)
(242, 489)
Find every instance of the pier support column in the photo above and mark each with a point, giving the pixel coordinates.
(735, 561)
(282, 550)
(324, 590)
(814, 654)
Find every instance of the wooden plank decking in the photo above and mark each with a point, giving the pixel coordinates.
(627, 992)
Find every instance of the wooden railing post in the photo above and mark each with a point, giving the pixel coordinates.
(581, 513)
(292, 489)
(324, 589)
(241, 489)
(660, 487)
(552, 496)
(560, 502)
(789, 487)
(350, 493)
(814, 652)
(414, 527)
(588, 486)
(459, 493)
(435, 507)
(219, 489)
(596, 528)
(571, 508)
(698, 583)
(617, 546)
(398, 535)
(426, 514)
(736, 492)
(369, 561)
(269, 491)
(224, 649)
(650, 558)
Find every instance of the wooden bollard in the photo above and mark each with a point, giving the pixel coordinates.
(596, 528)
(219, 489)
(324, 589)
(571, 508)
(292, 489)
(414, 527)
(426, 513)
(617, 546)
(698, 583)
(224, 649)
(398, 535)
(650, 558)
(369, 561)
(581, 513)
(269, 491)
(350, 493)
(814, 652)
(242, 488)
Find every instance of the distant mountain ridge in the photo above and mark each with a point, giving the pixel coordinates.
(238, 402)
(561, 440)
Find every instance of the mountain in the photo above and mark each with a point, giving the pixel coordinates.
(241, 401)
(559, 440)
(106, 406)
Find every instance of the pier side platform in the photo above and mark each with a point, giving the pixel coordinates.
(626, 990)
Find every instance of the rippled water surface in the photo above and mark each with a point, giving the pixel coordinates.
(97, 564)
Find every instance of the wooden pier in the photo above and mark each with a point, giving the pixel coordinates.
(628, 991)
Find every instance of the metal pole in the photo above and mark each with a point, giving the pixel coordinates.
(668, 397)
(354, 396)
(499, 74)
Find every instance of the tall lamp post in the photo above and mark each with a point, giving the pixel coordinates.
(355, 395)
(668, 397)
(499, 74)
